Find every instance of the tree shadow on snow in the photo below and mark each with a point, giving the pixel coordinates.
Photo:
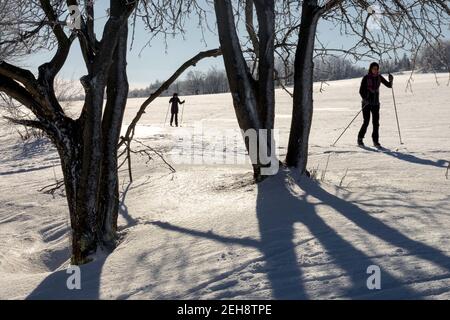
(123, 209)
(54, 286)
(391, 288)
(278, 209)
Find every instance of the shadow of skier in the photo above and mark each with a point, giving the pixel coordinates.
(408, 157)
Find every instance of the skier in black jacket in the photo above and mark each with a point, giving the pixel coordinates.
(370, 94)
(174, 109)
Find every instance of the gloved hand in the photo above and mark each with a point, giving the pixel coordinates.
(391, 77)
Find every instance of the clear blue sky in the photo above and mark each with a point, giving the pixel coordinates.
(158, 61)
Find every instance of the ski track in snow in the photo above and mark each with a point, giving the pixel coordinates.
(208, 232)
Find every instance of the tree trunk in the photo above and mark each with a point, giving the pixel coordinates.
(91, 169)
(265, 10)
(297, 153)
(239, 77)
(69, 145)
(91, 158)
(266, 66)
(117, 94)
(253, 100)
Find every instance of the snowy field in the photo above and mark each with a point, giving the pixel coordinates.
(207, 232)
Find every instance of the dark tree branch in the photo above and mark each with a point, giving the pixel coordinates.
(25, 77)
(328, 6)
(191, 62)
(444, 6)
(48, 71)
(26, 122)
(148, 149)
(20, 94)
(127, 139)
(51, 16)
(89, 7)
(251, 28)
(52, 188)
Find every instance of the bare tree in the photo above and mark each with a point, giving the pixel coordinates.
(400, 25)
(382, 29)
(297, 154)
(88, 145)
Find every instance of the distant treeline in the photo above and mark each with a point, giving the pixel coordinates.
(196, 82)
(215, 81)
(435, 59)
(335, 68)
(325, 69)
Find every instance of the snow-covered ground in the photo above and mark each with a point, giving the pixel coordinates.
(207, 232)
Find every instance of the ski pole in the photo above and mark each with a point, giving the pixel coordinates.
(349, 125)
(182, 113)
(396, 115)
(167, 113)
(448, 169)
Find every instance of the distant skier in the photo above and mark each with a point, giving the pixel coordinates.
(174, 109)
(370, 93)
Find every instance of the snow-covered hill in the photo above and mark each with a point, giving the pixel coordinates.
(207, 232)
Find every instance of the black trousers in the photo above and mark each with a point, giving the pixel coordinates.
(174, 115)
(375, 111)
